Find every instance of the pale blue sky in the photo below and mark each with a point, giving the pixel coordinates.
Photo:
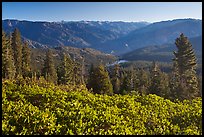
(101, 11)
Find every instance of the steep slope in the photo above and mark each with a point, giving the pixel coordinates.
(155, 34)
(163, 52)
(110, 37)
(89, 55)
(77, 34)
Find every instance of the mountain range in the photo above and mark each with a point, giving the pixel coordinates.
(155, 34)
(77, 34)
(129, 40)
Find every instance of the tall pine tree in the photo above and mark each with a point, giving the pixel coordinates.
(159, 81)
(8, 68)
(78, 73)
(116, 79)
(17, 51)
(142, 81)
(174, 83)
(186, 65)
(102, 83)
(26, 60)
(66, 70)
(128, 82)
(91, 78)
(49, 71)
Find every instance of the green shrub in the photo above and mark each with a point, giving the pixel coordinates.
(66, 110)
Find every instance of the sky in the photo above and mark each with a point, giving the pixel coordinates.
(101, 11)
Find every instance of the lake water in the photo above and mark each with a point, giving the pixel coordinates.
(117, 62)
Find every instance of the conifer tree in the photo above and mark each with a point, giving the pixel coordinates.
(91, 79)
(102, 84)
(17, 51)
(127, 85)
(155, 79)
(174, 83)
(135, 79)
(157, 85)
(165, 89)
(26, 60)
(186, 64)
(8, 68)
(116, 78)
(82, 70)
(49, 71)
(142, 81)
(77, 74)
(66, 70)
(122, 79)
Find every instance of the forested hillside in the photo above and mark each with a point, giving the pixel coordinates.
(162, 52)
(87, 56)
(72, 91)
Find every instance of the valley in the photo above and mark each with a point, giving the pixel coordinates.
(101, 68)
(141, 40)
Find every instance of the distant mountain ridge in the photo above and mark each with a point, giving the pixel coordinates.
(155, 34)
(110, 37)
(77, 34)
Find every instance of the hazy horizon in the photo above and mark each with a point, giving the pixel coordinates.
(94, 20)
(101, 11)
